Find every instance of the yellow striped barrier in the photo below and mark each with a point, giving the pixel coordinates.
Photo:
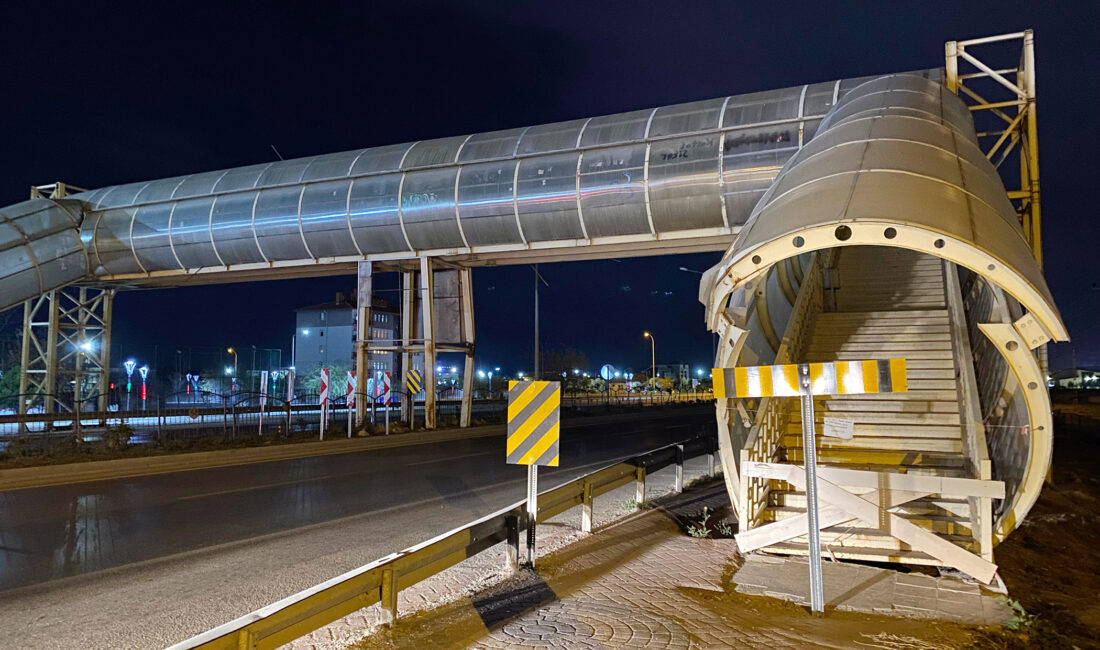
(534, 417)
(833, 378)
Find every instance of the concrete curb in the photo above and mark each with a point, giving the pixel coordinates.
(22, 478)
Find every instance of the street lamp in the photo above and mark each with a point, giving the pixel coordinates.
(233, 351)
(144, 370)
(129, 364)
(687, 270)
(653, 356)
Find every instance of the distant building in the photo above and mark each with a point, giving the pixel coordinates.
(1075, 378)
(324, 336)
(680, 372)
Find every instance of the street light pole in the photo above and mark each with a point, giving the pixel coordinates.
(652, 358)
(233, 351)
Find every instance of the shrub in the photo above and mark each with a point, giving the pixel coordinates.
(118, 436)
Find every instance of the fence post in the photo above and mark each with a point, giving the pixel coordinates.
(639, 485)
(586, 508)
(511, 551)
(710, 463)
(678, 486)
(389, 597)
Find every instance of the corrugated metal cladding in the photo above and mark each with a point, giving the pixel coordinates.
(696, 166)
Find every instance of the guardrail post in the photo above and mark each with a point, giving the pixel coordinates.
(586, 508)
(678, 487)
(389, 597)
(710, 463)
(511, 550)
(639, 485)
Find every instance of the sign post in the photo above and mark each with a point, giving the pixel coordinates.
(324, 400)
(263, 398)
(386, 399)
(805, 380)
(809, 451)
(350, 399)
(534, 416)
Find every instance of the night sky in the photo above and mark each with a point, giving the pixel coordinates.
(102, 95)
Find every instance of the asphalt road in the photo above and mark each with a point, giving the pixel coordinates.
(146, 561)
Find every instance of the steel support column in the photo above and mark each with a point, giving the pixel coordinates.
(427, 311)
(466, 306)
(408, 330)
(364, 296)
(66, 353)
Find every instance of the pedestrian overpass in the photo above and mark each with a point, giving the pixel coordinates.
(860, 218)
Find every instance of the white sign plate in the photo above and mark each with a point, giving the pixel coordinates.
(838, 428)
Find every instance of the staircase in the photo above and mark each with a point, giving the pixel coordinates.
(888, 303)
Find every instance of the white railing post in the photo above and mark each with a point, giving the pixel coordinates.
(639, 485)
(586, 508)
(678, 486)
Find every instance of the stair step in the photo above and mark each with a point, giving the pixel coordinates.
(873, 430)
(871, 417)
(872, 347)
(927, 445)
(909, 395)
(855, 531)
(862, 554)
(864, 540)
(934, 505)
(844, 406)
(831, 337)
(896, 458)
(859, 354)
(923, 314)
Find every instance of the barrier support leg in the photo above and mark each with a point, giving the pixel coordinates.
(639, 485)
(586, 509)
(389, 598)
(678, 486)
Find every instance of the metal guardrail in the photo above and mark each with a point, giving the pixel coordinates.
(381, 580)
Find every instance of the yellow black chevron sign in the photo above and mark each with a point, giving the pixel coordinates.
(413, 382)
(534, 415)
(833, 378)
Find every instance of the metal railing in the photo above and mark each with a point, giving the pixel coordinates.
(381, 580)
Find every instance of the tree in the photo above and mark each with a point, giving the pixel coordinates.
(9, 380)
(310, 382)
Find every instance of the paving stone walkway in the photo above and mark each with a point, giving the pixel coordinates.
(642, 583)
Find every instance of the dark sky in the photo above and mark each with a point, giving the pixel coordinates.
(104, 94)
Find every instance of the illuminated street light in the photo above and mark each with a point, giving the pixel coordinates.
(86, 346)
(653, 355)
(699, 372)
(233, 351)
(305, 332)
(144, 370)
(129, 364)
(481, 373)
(229, 371)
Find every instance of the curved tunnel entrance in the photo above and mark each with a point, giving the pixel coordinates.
(970, 411)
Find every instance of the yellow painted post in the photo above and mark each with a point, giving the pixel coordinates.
(389, 597)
